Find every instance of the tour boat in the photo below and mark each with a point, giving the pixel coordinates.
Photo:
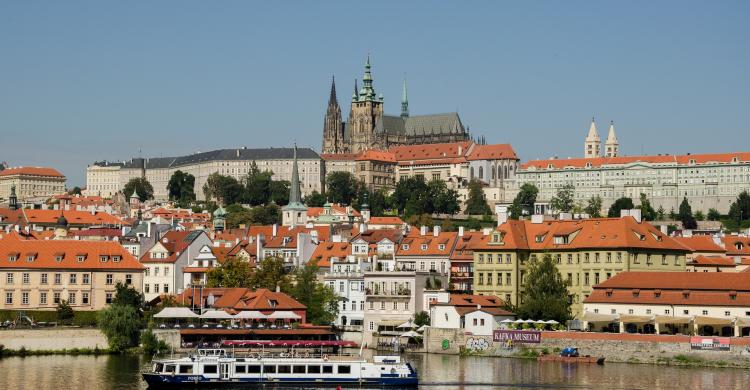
(213, 367)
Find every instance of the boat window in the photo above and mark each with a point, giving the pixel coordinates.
(158, 367)
(253, 369)
(169, 368)
(299, 369)
(345, 369)
(313, 369)
(285, 369)
(240, 369)
(210, 369)
(328, 369)
(186, 369)
(269, 369)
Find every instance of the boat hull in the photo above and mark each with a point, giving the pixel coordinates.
(167, 381)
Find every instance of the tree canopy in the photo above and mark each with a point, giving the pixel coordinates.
(142, 188)
(320, 299)
(476, 204)
(270, 273)
(121, 325)
(594, 207)
(341, 187)
(233, 273)
(686, 215)
(545, 292)
(523, 203)
(740, 208)
(224, 189)
(127, 295)
(180, 187)
(564, 201)
(623, 203)
(647, 212)
(414, 196)
(315, 199)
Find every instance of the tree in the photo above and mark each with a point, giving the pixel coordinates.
(713, 214)
(647, 212)
(378, 202)
(238, 215)
(447, 226)
(280, 192)
(740, 208)
(341, 187)
(661, 213)
(686, 215)
(623, 203)
(75, 191)
(523, 203)
(180, 187)
(699, 216)
(315, 199)
(233, 273)
(152, 345)
(257, 186)
(265, 215)
(594, 207)
(142, 188)
(127, 295)
(410, 197)
(422, 318)
(475, 202)
(564, 200)
(320, 299)
(121, 325)
(444, 200)
(545, 292)
(225, 189)
(270, 273)
(65, 313)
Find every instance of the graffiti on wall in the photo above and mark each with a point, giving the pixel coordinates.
(477, 344)
(446, 344)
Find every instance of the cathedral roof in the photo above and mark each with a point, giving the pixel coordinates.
(241, 154)
(448, 123)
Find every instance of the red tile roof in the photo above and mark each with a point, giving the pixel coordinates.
(736, 245)
(32, 171)
(326, 250)
(463, 250)
(376, 155)
(385, 221)
(474, 300)
(47, 252)
(415, 241)
(665, 159)
(454, 152)
(49, 217)
(716, 261)
(376, 235)
(699, 244)
(492, 152)
(336, 209)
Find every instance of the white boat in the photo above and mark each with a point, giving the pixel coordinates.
(213, 367)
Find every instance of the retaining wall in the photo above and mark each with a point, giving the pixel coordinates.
(53, 339)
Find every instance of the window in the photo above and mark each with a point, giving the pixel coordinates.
(507, 279)
(613, 311)
(210, 369)
(609, 257)
(72, 298)
(284, 369)
(147, 288)
(481, 279)
(619, 258)
(42, 298)
(395, 305)
(73, 278)
(26, 278)
(727, 313)
(8, 298)
(116, 259)
(86, 278)
(313, 369)
(166, 271)
(103, 258)
(269, 369)
(344, 369)
(80, 258)
(499, 279)
(156, 271)
(382, 305)
(686, 312)
(664, 259)
(56, 298)
(188, 369)
(9, 278)
(128, 279)
(570, 258)
(327, 369)
(596, 257)
(43, 279)
(58, 278)
(648, 311)
(666, 311)
(108, 298)
(474, 322)
(705, 312)
(24, 298)
(489, 279)
(507, 258)
(146, 271)
(109, 278)
(586, 279)
(85, 298)
(253, 369)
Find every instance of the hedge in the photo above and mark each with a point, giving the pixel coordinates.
(81, 318)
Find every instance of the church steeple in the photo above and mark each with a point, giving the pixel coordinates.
(333, 124)
(13, 199)
(356, 91)
(367, 93)
(294, 190)
(612, 146)
(592, 144)
(295, 212)
(404, 102)
(332, 98)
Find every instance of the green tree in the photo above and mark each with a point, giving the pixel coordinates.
(672, 214)
(713, 214)
(265, 215)
(444, 200)
(523, 203)
(180, 187)
(699, 216)
(257, 186)
(422, 318)
(545, 292)
(594, 207)
(661, 213)
(65, 313)
(225, 189)
(341, 187)
(127, 295)
(270, 273)
(623, 203)
(280, 192)
(152, 345)
(475, 202)
(410, 197)
(142, 188)
(233, 273)
(564, 200)
(740, 208)
(77, 191)
(647, 212)
(447, 225)
(320, 299)
(378, 203)
(686, 215)
(238, 215)
(121, 325)
(315, 199)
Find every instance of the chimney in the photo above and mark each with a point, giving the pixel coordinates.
(635, 213)
(664, 229)
(423, 230)
(537, 218)
(460, 231)
(436, 230)
(275, 230)
(362, 227)
(486, 231)
(278, 288)
(565, 216)
(502, 215)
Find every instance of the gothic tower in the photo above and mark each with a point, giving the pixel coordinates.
(404, 103)
(367, 108)
(593, 143)
(333, 126)
(612, 146)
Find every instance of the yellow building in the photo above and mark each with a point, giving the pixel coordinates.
(587, 252)
(31, 183)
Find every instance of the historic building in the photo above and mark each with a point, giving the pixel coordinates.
(31, 184)
(368, 127)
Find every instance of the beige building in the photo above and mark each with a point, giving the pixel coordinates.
(38, 274)
(31, 183)
(587, 252)
(100, 176)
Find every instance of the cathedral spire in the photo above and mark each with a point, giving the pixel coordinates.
(367, 92)
(592, 144)
(612, 146)
(332, 98)
(404, 102)
(356, 91)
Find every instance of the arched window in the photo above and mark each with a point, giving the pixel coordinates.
(481, 172)
(493, 172)
(471, 173)
(506, 172)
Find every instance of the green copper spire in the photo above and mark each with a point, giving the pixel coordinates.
(404, 103)
(367, 92)
(294, 193)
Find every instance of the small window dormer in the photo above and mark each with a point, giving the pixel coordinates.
(441, 247)
(116, 258)
(405, 247)
(13, 257)
(103, 258)
(738, 245)
(31, 256)
(81, 257)
(424, 247)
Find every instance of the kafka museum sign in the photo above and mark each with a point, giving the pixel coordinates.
(517, 336)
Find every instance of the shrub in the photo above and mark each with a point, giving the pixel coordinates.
(151, 344)
(545, 351)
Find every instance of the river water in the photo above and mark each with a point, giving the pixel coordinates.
(436, 372)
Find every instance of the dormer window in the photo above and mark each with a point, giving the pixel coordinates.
(424, 247)
(561, 240)
(12, 258)
(405, 247)
(80, 258)
(539, 238)
(116, 259)
(103, 258)
(738, 245)
(441, 247)
(30, 258)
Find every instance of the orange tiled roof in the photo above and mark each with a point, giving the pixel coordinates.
(492, 152)
(376, 155)
(336, 209)
(174, 242)
(453, 152)
(326, 250)
(32, 171)
(474, 300)
(49, 217)
(376, 235)
(716, 261)
(385, 221)
(463, 250)
(699, 244)
(47, 252)
(291, 236)
(736, 245)
(664, 159)
(415, 241)
(261, 299)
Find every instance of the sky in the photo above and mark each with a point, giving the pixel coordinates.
(87, 81)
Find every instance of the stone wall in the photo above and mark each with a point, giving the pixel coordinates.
(53, 339)
(170, 336)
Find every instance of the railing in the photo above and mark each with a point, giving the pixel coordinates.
(402, 292)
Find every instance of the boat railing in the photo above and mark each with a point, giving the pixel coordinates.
(261, 355)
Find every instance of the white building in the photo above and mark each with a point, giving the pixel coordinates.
(166, 260)
(476, 314)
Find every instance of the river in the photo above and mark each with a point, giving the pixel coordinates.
(453, 372)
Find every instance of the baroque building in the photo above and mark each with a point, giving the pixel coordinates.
(368, 127)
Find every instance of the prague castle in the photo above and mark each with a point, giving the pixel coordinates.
(368, 127)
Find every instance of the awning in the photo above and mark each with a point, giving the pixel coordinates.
(289, 343)
(743, 321)
(176, 312)
(630, 318)
(701, 320)
(596, 317)
(217, 315)
(250, 315)
(283, 315)
(407, 325)
(390, 323)
(672, 320)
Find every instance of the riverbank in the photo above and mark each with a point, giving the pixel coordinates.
(53, 339)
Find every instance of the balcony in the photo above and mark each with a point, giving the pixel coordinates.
(402, 292)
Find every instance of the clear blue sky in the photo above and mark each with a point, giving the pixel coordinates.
(84, 81)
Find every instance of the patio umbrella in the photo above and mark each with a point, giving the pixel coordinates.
(176, 312)
(519, 321)
(551, 322)
(410, 333)
(422, 328)
(406, 325)
(281, 315)
(250, 315)
(507, 321)
(217, 315)
(530, 321)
